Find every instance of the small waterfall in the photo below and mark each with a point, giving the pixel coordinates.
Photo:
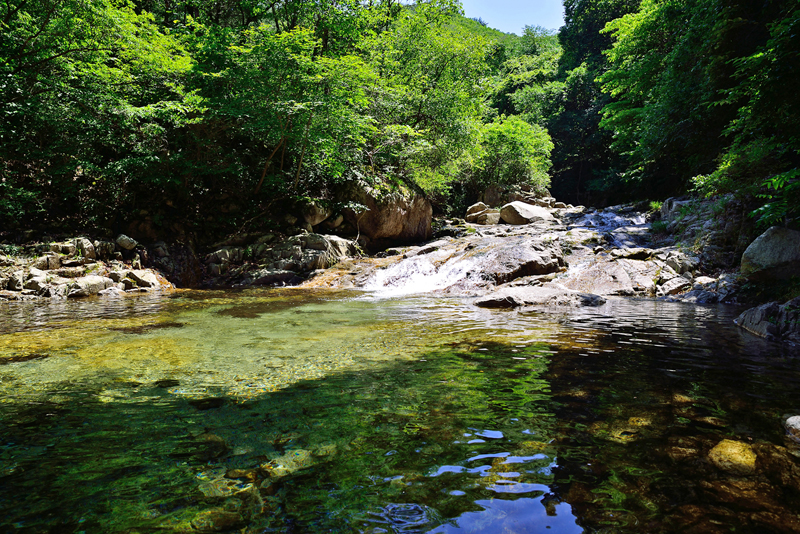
(609, 220)
(418, 275)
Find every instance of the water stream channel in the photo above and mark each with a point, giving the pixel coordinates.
(311, 410)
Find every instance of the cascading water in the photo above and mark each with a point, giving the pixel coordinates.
(609, 220)
(622, 229)
(418, 274)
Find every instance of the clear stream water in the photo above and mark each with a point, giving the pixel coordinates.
(303, 410)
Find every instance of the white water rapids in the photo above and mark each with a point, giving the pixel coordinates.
(419, 274)
(443, 264)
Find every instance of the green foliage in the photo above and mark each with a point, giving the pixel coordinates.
(513, 152)
(699, 99)
(763, 158)
(525, 83)
(658, 227)
(428, 106)
(88, 90)
(110, 107)
(175, 106)
(585, 170)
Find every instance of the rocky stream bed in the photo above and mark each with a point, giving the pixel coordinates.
(532, 252)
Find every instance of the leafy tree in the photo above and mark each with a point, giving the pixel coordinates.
(699, 91)
(427, 108)
(584, 168)
(513, 152)
(764, 155)
(88, 90)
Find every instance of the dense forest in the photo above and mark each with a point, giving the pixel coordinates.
(218, 113)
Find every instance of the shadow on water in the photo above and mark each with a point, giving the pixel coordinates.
(607, 426)
(405, 447)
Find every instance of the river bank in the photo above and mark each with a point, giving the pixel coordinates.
(532, 252)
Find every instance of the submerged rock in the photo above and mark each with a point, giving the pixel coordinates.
(217, 520)
(734, 457)
(793, 427)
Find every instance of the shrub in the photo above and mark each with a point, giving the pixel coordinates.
(658, 227)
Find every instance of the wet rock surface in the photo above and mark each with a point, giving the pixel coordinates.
(513, 297)
(271, 260)
(734, 457)
(577, 256)
(773, 321)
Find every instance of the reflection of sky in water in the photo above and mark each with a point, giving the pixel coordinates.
(519, 516)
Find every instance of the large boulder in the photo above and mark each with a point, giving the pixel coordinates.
(393, 217)
(16, 280)
(323, 251)
(521, 213)
(513, 297)
(604, 278)
(773, 320)
(128, 243)
(89, 285)
(673, 286)
(775, 254)
(501, 260)
(476, 208)
(144, 278)
(178, 262)
(487, 216)
(315, 213)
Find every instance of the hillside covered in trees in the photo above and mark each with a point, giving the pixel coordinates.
(219, 113)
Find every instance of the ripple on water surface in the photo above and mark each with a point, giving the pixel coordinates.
(314, 411)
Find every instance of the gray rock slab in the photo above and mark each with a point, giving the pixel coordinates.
(521, 213)
(513, 297)
(143, 278)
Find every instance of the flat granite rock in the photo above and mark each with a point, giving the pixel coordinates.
(514, 297)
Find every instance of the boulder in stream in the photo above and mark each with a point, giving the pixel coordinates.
(505, 259)
(88, 285)
(773, 321)
(734, 457)
(514, 297)
(521, 213)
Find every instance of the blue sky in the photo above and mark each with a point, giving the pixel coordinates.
(511, 16)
